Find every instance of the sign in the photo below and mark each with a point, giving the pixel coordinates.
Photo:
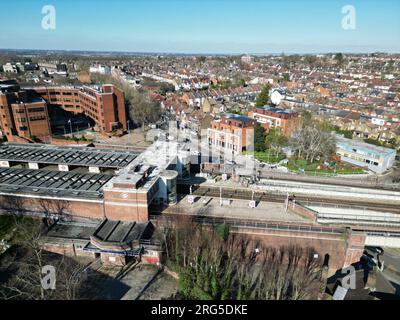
(252, 204)
(190, 199)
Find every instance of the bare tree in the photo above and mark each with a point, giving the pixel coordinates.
(26, 268)
(142, 109)
(211, 267)
(313, 141)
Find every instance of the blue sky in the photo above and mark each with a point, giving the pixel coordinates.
(203, 26)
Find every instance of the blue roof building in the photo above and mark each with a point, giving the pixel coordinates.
(375, 158)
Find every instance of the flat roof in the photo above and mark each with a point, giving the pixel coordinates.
(361, 145)
(52, 183)
(114, 231)
(159, 156)
(73, 230)
(80, 156)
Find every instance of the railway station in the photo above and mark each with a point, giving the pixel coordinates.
(117, 186)
(129, 189)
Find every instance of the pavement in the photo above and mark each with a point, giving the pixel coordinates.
(236, 209)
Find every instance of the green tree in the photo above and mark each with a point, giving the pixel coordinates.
(241, 83)
(259, 138)
(339, 58)
(275, 140)
(222, 231)
(263, 97)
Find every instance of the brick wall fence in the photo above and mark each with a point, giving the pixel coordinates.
(302, 211)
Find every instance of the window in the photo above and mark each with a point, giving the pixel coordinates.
(37, 118)
(31, 110)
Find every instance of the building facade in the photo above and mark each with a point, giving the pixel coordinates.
(269, 117)
(24, 111)
(232, 133)
(374, 158)
(22, 114)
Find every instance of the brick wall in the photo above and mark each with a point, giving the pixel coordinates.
(302, 211)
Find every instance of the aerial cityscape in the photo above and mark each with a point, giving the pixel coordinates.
(200, 150)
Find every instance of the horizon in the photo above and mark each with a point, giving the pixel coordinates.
(221, 27)
(255, 54)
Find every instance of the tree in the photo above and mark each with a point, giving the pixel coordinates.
(313, 140)
(26, 266)
(275, 140)
(339, 59)
(240, 268)
(166, 87)
(141, 109)
(263, 97)
(241, 83)
(259, 138)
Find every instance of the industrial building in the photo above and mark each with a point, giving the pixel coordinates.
(375, 158)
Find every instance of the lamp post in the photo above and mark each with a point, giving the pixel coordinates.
(70, 126)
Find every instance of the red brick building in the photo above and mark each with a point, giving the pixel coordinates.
(232, 132)
(104, 104)
(270, 117)
(24, 112)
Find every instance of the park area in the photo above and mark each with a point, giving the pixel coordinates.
(322, 168)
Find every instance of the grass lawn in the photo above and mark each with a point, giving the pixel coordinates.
(268, 156)
(318, 168)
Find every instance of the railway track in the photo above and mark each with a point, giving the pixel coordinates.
(241, 194)
(365, 184)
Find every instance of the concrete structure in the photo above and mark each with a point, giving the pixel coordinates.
(10, 68)
(374, 158)
(232, 133)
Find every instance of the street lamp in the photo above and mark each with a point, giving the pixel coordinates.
(70, 126)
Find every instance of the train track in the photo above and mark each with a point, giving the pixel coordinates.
(366, 184)
(241, 194)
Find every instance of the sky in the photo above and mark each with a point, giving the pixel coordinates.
(202, 26)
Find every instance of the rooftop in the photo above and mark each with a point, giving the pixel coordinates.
(360, 145)
(276, 110)
(81, 156)
(52, 183)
